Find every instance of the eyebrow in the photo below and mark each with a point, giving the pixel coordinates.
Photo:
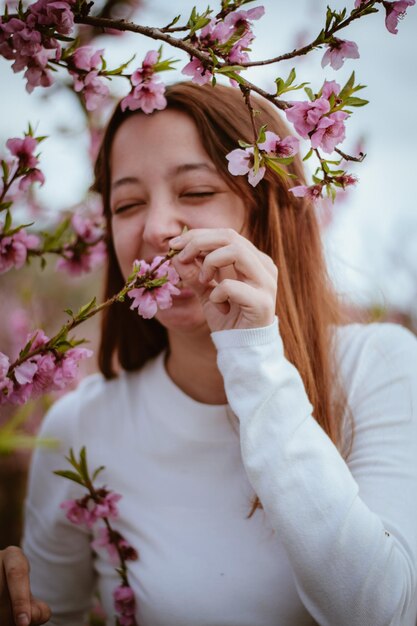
(179, 169)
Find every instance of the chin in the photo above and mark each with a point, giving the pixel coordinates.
(184, 315)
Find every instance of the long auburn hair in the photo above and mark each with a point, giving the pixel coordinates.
(284, 227)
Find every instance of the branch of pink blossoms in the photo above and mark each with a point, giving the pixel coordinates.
(45, 364)
(22, 165)
(101, 504)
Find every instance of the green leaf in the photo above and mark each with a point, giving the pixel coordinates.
(70, 475)
(97, 472)
(174, 21)
(7, 223)
(291, 78)
(5, 205)
(308, 155)
(309, 93)
(83, 463)
(69, 312)
(261, 135)
(355, 102)
(5, 169)
(86, 308)
(347, 89)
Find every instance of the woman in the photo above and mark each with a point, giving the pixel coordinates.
(266, 453)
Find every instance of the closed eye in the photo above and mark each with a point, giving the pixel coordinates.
(198, 194)
(125, 207)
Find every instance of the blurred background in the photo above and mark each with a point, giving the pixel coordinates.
(370, 233)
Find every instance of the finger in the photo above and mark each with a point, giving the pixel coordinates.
(16, 579)
(199, 242)
(41, 612)
(245, 262)
(189, 274)
(258, 308)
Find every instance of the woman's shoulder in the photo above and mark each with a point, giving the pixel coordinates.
(376, 356)
(95, 404)
(373, 341)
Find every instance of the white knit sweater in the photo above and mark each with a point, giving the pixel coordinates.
(336, 542)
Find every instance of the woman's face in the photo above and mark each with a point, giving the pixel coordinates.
(162, 180)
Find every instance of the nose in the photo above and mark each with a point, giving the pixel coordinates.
(162, 222)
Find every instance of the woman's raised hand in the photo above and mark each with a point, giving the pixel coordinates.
(235, 282)
(17, 605)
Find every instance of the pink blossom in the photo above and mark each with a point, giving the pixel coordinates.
(14, 249)
(87, 58)
(330, 87)
(147, 91)
(87, 229)
(242, 162)
(198, 72)
(146, 300)
(37, 73)
(23, 149)
(112, 542)
(92, 87)
(306, 115)
(237, 18)
(34, 176)
(337, 51)
(281, 148)
(314, 192)
(77, 512)
(359, 3)
(57, 14)
(214, 32)
(107, 507)
(6, 390)
(4, 365)
(124, 600)
(67, 368)
(77, 263)
(147, 70)
(394, 12)
(346, 180)
(330, 131)
(147, 96)
(238, 53)
(25, 372)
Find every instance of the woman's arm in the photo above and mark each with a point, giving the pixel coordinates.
(350, 530)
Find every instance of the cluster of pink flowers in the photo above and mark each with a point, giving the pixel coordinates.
(147, 91)
(394, 12)
(28, 41)
(148, 299)
(83, 66)
(217, 35)
(22, 150)
(14, 249)
(339, 50)
(242, 161)
(124, 603)
(88, 511)
(314, 192)
(115, 544)
(45, 371)
(314, 121)
(87, 251)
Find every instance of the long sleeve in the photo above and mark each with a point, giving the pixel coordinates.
(59, 552)
(349, 528)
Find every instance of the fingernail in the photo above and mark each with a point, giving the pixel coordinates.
(22, 620)
(175, 241)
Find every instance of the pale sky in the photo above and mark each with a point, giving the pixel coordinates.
(373, 239)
